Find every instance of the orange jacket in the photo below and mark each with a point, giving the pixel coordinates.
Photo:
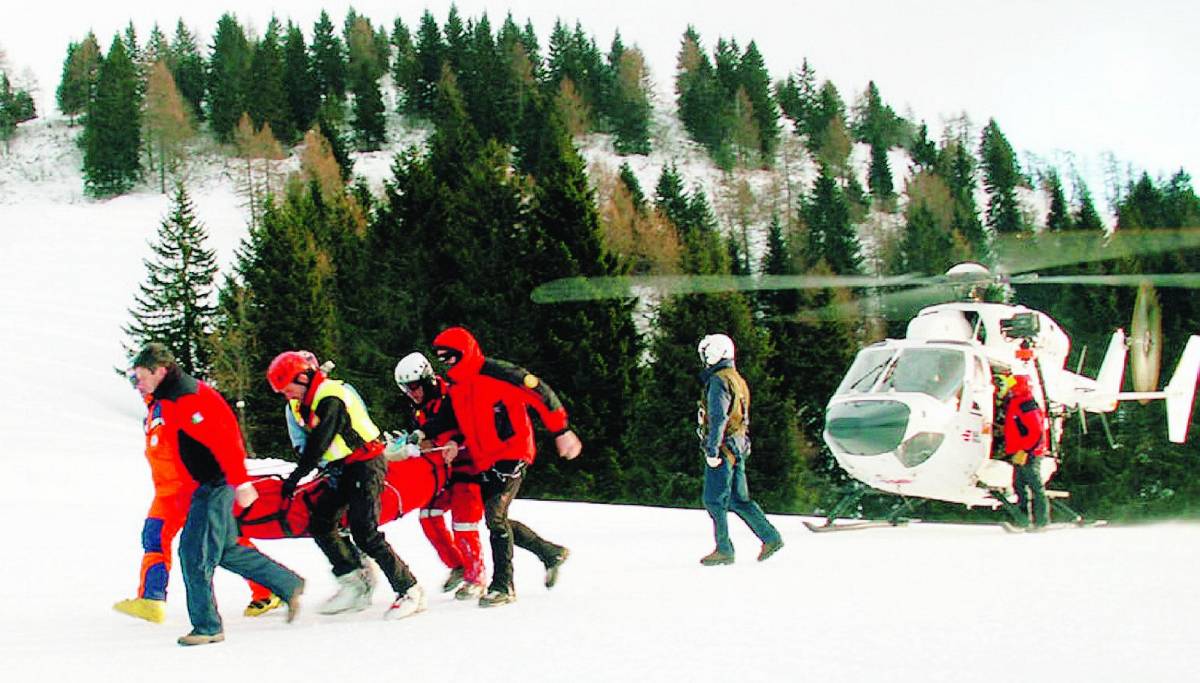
(191, 429)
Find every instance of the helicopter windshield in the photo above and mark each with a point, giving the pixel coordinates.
(933, 371)
(865, 371)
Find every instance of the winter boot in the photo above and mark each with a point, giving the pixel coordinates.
(495, 598)
(407, 604)
(293, 603)
(716, 557)
(454, 580)
(144, 608)
(353, 595)
(769, 548)
(553, 565)
(257, 608)
(469, 591)
(194, 638)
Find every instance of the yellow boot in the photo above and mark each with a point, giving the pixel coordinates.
(142, 608)
(261, 607)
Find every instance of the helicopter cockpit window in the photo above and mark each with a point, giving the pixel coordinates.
(936, 372)
(865, 371)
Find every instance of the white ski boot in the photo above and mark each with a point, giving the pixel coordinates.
(408, 604)
(353, 595)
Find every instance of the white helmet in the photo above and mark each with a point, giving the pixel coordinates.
(714, 348)
(414, 367)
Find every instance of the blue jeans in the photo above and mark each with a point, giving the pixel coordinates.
(208, 541)
(725, 490)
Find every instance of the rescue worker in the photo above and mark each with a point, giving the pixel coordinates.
(492, 401)
(172, 492)
(194, 424)
(1024, 445)
(724, 431)
(459, 549)
(343, 441)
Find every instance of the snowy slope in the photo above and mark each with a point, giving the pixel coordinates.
(924, 603)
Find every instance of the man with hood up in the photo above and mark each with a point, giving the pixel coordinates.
(1024, 445)
(492, 400)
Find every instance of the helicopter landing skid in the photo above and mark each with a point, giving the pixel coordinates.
(851, 526)
(1056, 526)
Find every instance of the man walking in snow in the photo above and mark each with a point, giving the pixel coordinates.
(342, 439)
(724, 431)
(1025, 444)
(492, 401)
(199, 428)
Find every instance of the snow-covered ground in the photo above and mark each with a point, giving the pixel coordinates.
(923, 603)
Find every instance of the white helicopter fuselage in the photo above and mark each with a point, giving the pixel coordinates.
(915, 416)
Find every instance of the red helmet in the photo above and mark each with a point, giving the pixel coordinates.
(289, 365)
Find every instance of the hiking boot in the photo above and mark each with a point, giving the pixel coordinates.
(293, 603)
(495, 598)
(769, 548)
(144, 608)
(553, 565)
(716, 557)
(454, 580)
(353, 595)
(194, 638)
(469, 591)
(368, 575)
(257, 608)
(407, 604)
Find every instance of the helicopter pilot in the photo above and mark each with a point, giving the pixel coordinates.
(1024, 445)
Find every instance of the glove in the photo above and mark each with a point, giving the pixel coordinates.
(400, 450)
(1020, 457)
(713, 461)
(288, 488)
(245, 494)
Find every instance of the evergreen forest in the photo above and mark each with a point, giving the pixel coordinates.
(498, 199)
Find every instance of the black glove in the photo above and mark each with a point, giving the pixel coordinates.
(289, 487)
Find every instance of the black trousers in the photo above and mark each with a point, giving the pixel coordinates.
(499, 487)
(355, 492)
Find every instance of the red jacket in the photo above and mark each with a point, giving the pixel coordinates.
(196, 428)
(492, 401)
(1024, 421)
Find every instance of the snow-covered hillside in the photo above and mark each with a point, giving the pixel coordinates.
(923, 603)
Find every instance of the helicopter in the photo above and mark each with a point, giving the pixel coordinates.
(915, 416)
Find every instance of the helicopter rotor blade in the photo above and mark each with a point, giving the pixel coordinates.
(629, 286)
(1185, 280)
(900, 305)
(1044, 250)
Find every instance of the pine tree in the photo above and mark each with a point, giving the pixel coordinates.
(1059, 216)
(81, 71)
(173, 305)
(404, 67)
(364, 72)
(957, 167)
(228, 77)
(1085, 216)
(753, 77)
(112, 133)
(329, 61)
(188, 69)
(1001, 175)
(430, 54)
(631, 108)
(831, 237)
(266, 98)
(299, 80)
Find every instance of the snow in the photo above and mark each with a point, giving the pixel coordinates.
(929, 602)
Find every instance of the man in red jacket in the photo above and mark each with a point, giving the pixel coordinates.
(492, 400)
(459, 549)
(1025, 444)
(195, 424)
